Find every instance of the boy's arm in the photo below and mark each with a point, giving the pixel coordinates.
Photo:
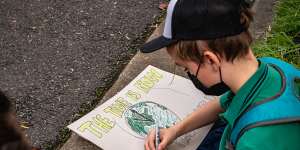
(202, 116)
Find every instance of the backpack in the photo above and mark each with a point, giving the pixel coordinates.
(284, 107)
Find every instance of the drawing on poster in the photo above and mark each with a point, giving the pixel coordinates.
(127, 115)
(143, 116)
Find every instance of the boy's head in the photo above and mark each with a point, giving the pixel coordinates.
(199, 32)
(11, 137)
(217, 22)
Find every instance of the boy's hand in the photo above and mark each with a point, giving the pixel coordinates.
(167, 136)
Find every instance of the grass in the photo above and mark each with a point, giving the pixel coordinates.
(282, 39)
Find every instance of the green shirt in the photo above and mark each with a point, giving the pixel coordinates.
(265, 83)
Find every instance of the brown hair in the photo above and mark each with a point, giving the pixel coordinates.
(11, 137)
(229, 47)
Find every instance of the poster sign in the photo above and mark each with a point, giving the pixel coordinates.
(154, 97)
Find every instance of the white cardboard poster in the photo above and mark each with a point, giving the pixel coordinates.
(153, 97)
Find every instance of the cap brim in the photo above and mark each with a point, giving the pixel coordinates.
(156, 44)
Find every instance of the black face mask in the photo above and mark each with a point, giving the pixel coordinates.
(217, 89)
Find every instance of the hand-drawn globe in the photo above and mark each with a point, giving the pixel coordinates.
(143, 116)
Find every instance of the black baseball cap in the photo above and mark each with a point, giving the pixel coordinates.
(198, 20)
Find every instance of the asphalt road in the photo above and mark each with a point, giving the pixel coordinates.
(55, 53)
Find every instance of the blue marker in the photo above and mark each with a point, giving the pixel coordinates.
(157, 139)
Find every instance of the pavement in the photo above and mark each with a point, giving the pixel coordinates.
(160, 59)
(138, 63)
(54, 55)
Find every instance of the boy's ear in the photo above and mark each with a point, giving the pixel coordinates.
(212, 59)
(4, 103)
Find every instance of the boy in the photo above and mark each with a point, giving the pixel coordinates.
(211, 41)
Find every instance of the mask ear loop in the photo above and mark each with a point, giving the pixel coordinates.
(198, 70)
(220, 72)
